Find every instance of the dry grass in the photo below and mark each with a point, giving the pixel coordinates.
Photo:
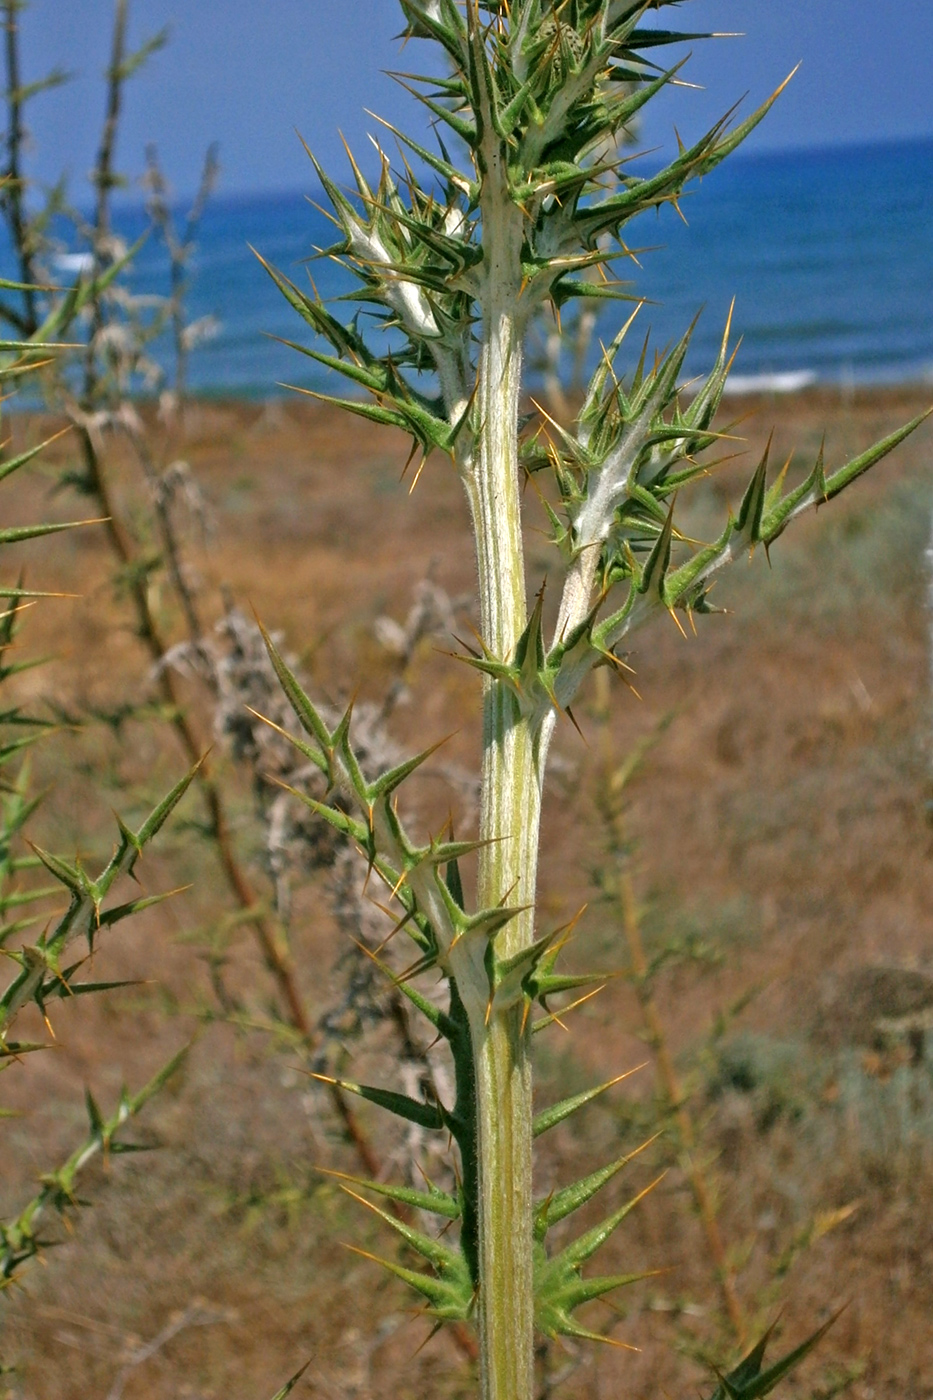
(781, 824)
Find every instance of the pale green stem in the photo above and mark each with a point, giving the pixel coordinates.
(509, 822)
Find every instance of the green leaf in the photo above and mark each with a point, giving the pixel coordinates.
(550, 1117)
(308, 717)
(655, 567)
(749, 1382)
(84, 293)
(64, 987)
(161, 813)
(564, 1202)
(289, 1386)
(583, 1248)
(819, 488)
(95, 1115)
(447, 1263)
(438, 1019)
(71, 876)
(13, 464)
(31, 532)
(512, 974)
(424, 1114)
(392, 779)
(334, 817)
(119, 912)
(451, 1300)
(434, 1201)
(554, 1307)
(559, 1288)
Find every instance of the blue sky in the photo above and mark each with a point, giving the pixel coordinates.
(247, 74)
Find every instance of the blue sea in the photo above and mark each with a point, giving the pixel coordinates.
(828, 254)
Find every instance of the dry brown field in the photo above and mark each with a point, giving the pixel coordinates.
(782, 852)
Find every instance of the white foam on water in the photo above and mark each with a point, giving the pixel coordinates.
(787, 382)
(74, 262)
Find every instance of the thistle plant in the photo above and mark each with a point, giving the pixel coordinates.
(525, 195)
(46, 969)
(92, 382)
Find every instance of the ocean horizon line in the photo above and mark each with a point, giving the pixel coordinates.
(126, 202)
(825, 254)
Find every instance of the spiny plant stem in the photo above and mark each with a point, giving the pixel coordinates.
(150, 634)
(536, 95)
(275, 957)
(507, 870)
(123, 546)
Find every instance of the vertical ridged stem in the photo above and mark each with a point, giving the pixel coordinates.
(507, 869)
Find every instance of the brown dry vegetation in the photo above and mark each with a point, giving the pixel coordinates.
(781, 839)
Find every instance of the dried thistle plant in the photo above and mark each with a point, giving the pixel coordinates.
(360, 1005)
(94, 383)
(535, 94)
(149, 535)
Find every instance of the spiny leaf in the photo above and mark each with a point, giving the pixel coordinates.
(512, 973)
(31, 532)
(576, 1254)
(441, 1022)
(542, 986)
(94, 1114)
(550, 1117)
(447, 1263)
(451, 1300)
(13, 464)
(289, 1385)
(424, 1114)
(135, 906)
(749, 1382)
(334, 816)
(564, 1202)
(818, 488)
(161, 813)
(392, 779)
(72, 876)
(488, 922)
(434, 1201)
(307, 715)
(554, 1309)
